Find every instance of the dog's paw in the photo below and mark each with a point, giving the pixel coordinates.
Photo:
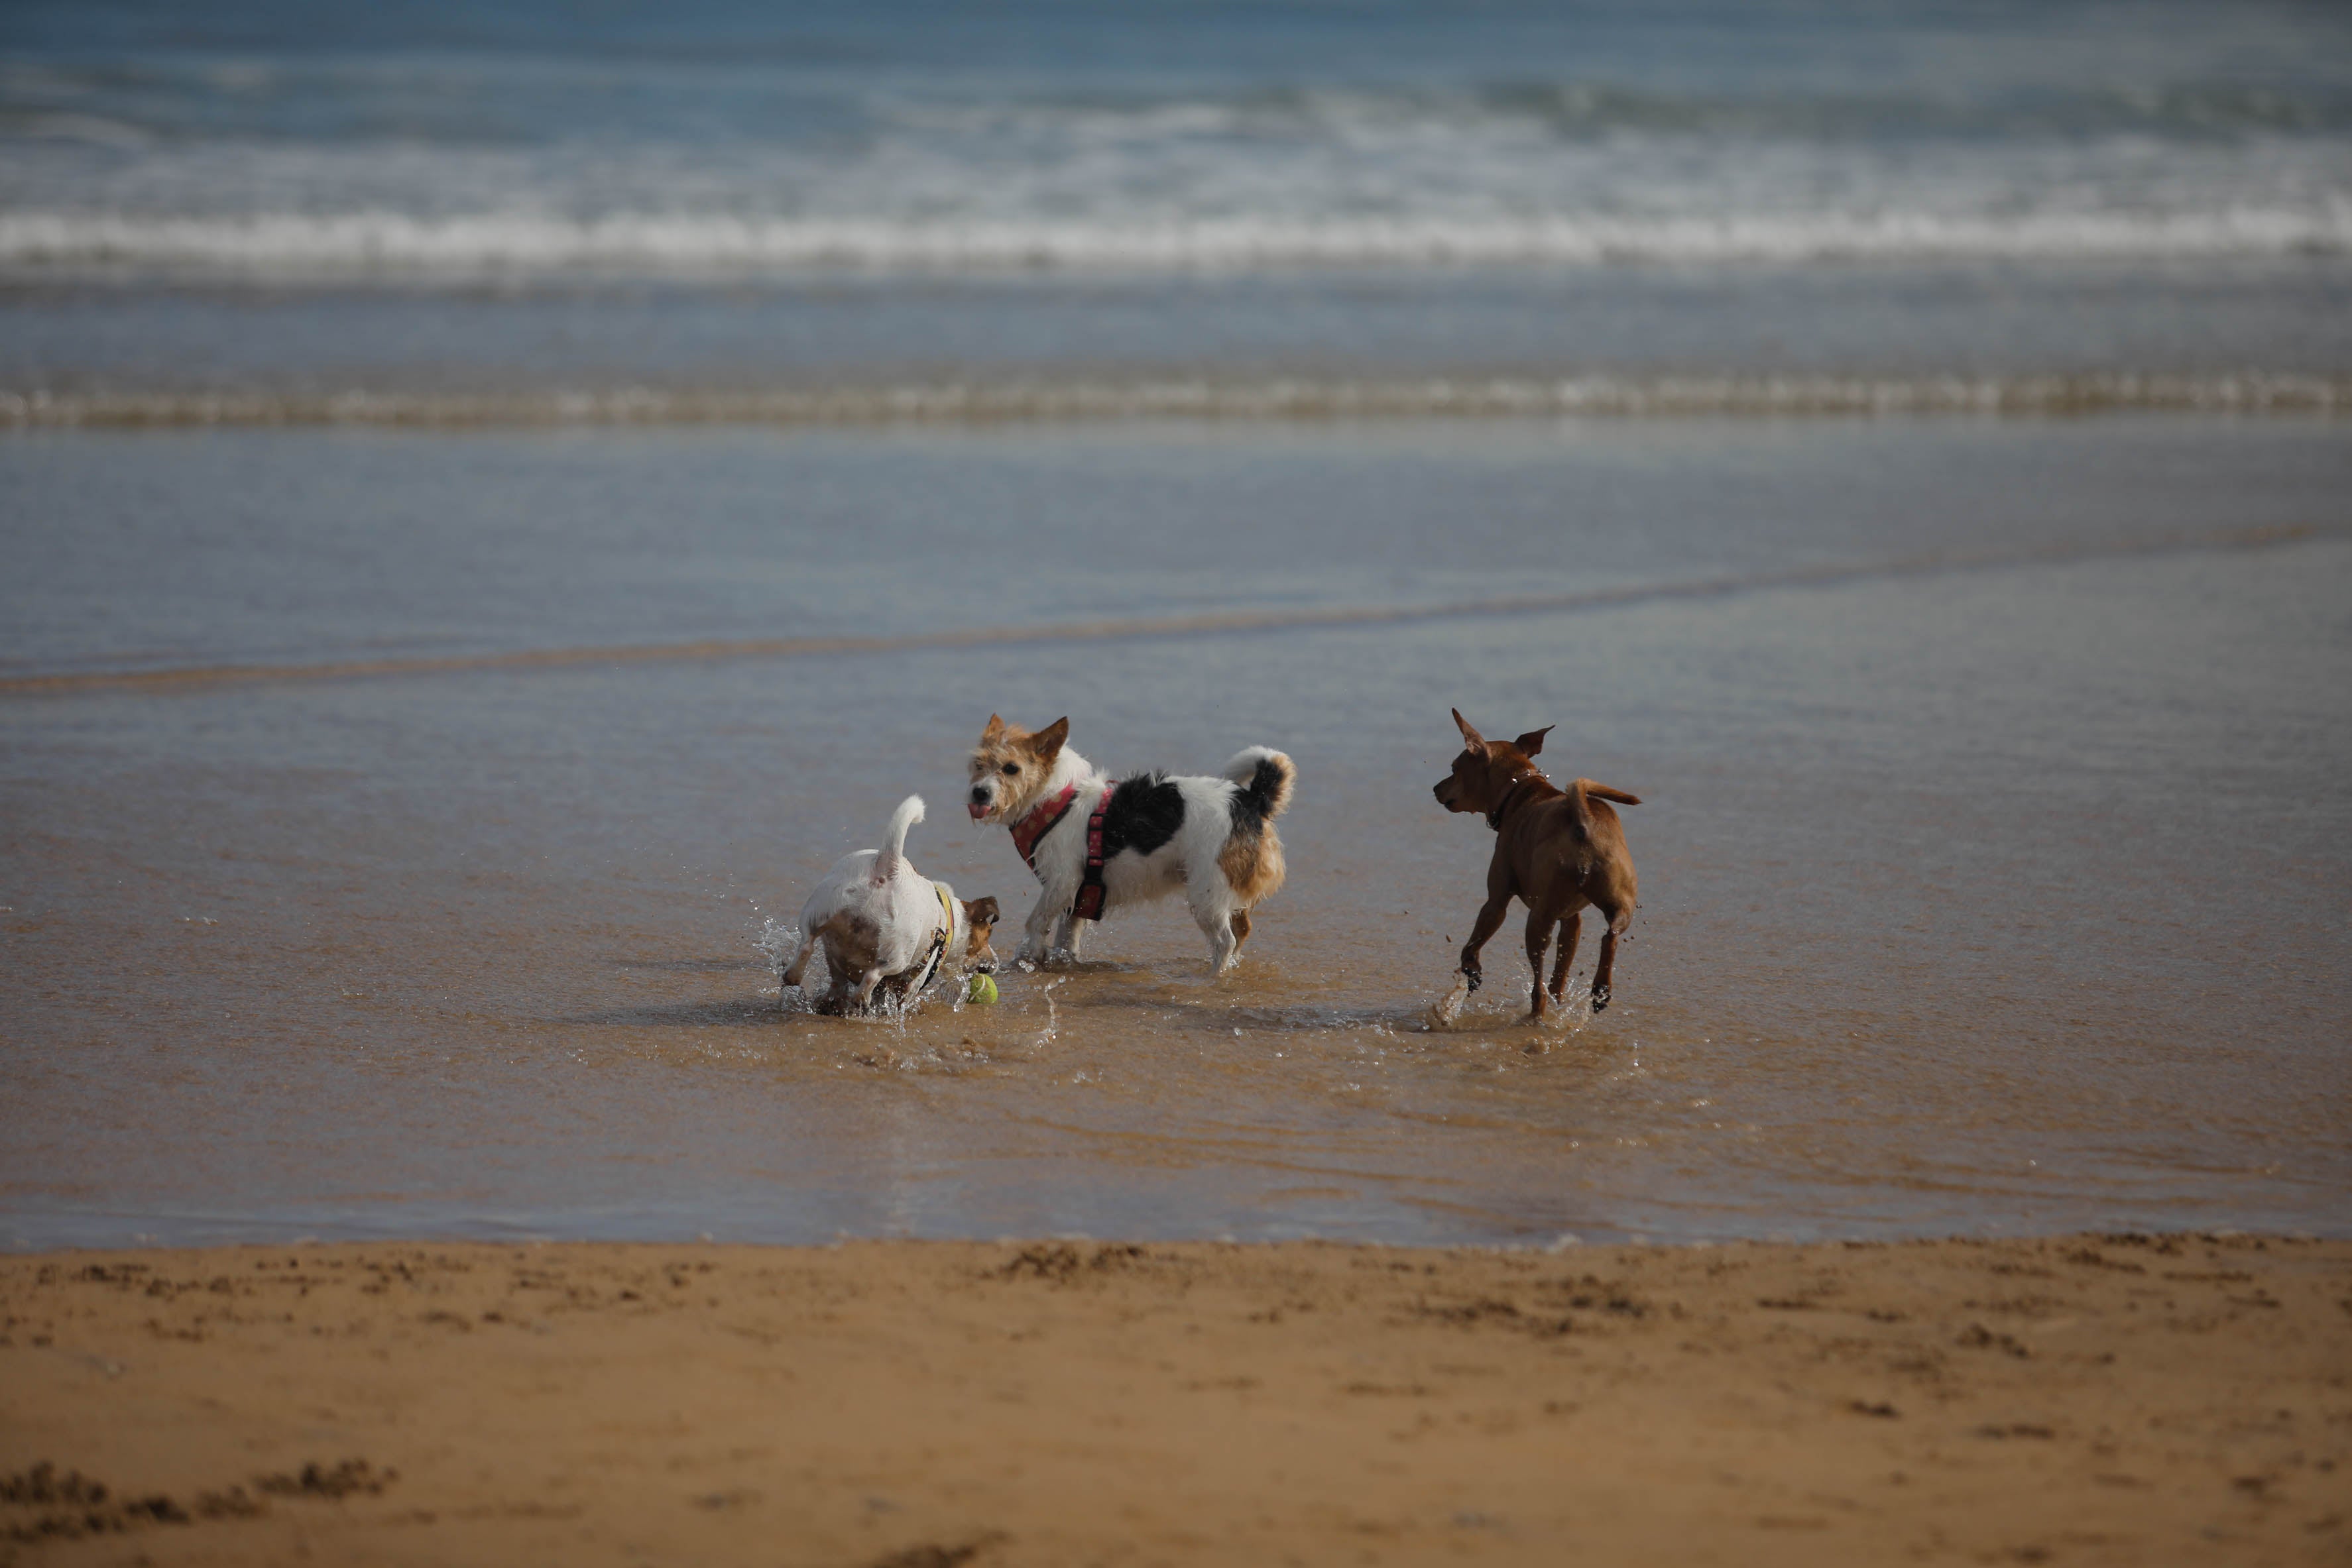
(1599, 998)
(1473, 977)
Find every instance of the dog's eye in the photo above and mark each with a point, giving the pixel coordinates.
(1010, 769)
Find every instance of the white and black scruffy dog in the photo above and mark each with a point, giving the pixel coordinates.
(1098, 844)
(888, 931)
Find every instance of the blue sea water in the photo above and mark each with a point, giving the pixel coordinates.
(516, 200)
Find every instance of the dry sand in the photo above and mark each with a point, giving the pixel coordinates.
(2117, 1399)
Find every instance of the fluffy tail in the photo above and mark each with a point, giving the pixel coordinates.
(1266, 776)
(894, 839)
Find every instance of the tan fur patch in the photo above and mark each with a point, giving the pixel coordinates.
(851, 943)
(1028, 754)
(1253, 866)
(980, 919)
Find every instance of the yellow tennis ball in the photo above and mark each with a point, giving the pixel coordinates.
(979, 989)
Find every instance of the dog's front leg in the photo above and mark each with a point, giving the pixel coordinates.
(1039, 926)
(1490, 920)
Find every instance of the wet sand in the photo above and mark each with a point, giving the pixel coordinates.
(2114, 1399)
(481, 947)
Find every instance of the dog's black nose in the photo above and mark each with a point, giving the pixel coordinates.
(979, 796)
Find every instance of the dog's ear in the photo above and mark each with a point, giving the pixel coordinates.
(1532, 742)
(980, 912)
(993, 733)
(1470, 737)
(1047, 742)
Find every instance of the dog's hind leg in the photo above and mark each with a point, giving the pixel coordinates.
(1570, 929)
(1539, 929)
(1214, 913)
(797, 965)
(1606, 965)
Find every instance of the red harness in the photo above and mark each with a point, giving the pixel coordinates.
(1043, 821)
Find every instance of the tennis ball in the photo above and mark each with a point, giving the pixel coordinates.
(979, 989)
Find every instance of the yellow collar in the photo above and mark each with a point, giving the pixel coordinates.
(939, 944)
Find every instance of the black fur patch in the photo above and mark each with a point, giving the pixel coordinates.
(1253, 798)
(1145, 812)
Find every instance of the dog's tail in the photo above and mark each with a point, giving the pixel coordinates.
(1581, 791)
(893, 853)
(1252, 856)
(1266, 776)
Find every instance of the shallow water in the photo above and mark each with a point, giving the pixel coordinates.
(1993, 852)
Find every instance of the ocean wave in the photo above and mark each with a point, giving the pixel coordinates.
(1288, 398)
(391, 245)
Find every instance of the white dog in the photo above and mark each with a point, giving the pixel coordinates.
(886, 929)
(1098, 845)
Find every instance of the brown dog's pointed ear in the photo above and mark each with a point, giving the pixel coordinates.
(980, 912)
(1532, 742)
(1469, 736)
(1047, 742)
(993, 733)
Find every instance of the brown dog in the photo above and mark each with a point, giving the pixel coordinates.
(1557, 849)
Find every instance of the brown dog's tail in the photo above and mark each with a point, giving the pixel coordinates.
(1581, 792)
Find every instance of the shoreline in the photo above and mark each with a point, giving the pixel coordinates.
(2073, 1398)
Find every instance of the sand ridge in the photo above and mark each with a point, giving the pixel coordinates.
(2085, 1399)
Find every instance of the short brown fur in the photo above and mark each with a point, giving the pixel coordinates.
(1556, 851)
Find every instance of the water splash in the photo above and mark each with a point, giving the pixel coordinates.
(1053, 1017)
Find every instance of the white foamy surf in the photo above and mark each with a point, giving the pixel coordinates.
(393, 245)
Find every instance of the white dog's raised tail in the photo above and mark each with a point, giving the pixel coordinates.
(893, 853)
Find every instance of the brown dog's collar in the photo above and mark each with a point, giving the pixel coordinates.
(1495, 817)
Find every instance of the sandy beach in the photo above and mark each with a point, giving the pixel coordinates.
(499, 497)
(2083, 1399)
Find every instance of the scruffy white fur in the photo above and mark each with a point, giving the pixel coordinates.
(878, 918)
(1195, 859)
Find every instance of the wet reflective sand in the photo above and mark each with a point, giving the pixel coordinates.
(1993, 852)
